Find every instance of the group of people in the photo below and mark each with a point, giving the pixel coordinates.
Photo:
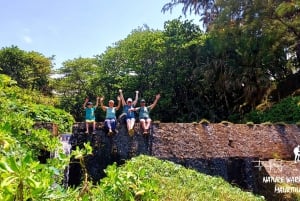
(129, 110)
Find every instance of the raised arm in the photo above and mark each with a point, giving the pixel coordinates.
(134, 109)
(157, 97)
(97, 101)
(101, 104)
(119, 103)
(136, 98)
(122, 97)
(85, 102)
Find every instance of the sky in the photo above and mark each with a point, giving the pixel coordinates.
(70, 29)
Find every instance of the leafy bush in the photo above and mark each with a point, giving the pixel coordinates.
(147, 178)
(31, 105)
(287, 110)
(22, 176)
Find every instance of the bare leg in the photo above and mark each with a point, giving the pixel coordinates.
(94, 126)
(148, 121)
(132, 121)
(87, 127)
(143, 124)
(128, 124)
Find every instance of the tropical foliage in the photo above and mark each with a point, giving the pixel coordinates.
(31, 70)
(221, 73)
(147, 178)
(288, 110)
(22, 176)
(80, 80)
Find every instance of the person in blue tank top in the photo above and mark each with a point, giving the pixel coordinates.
(144, 111)
(130, 117)
(110, 118)
(90, 114)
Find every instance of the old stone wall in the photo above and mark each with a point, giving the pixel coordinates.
(188, 140)
(227, 150)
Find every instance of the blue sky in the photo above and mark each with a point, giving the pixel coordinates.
(69, 29)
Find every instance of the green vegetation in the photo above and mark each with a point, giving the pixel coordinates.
(204, 121)
(22, 176)
(220, 74)
(31, 70)
(249, 49)
(147, 178)
(225, 122)
(250, 123)
(286, 111)
(30, 106)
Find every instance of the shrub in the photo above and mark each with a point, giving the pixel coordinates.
(148, 178)
(287, 110)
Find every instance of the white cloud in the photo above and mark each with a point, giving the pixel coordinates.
(27, 39)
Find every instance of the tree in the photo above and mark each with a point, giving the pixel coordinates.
(279, 18)
(133, 64)
(205, 8)
(182, 42)
(80, 79)
(255, 45)
(31, 70)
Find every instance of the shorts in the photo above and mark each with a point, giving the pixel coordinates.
(145, 118)
(130, 118)
(90, 120)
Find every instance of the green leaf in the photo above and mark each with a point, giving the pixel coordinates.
(33, 183)
(7, 181)
(13, 164)
(4, 167)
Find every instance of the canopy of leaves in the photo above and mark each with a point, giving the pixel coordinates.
(31, 70)
(80, 78)
(214, 75)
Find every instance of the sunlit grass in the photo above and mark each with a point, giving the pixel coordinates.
(175, 182)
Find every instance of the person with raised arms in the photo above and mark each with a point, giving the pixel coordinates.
(130, 117)
(144, 111)
(90, 114)
(110, 118)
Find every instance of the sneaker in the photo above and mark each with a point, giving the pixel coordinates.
(131, 132)
(115, 131)
(94, 132)
(146, 132)
(110, 133)
(86, 132)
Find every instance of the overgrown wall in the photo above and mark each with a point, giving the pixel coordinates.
(226, 150)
